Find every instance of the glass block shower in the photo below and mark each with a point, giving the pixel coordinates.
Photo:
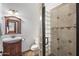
(60, 29)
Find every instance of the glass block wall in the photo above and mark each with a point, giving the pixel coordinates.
(48, 31)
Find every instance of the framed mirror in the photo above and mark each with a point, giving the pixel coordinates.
(12, 25)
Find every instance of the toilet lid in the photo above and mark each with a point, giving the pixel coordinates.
(34, 47)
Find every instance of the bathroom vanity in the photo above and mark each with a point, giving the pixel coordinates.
(12, 25)
(12, 44)
(12, 48)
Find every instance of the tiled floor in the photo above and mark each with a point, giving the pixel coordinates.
(30, 53)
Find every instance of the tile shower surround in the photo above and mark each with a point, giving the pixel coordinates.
(63, 30)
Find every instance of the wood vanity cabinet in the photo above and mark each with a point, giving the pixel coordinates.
(12, 49)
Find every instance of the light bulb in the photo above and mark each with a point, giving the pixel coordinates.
(16, 13)
(10, 12)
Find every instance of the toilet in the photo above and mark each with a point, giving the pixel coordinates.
(35, 48)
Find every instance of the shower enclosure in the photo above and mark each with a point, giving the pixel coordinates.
(60, 30)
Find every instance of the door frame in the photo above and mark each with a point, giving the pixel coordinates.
(77, 29)
(43, 30)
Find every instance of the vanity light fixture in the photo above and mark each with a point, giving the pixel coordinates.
(12, 12)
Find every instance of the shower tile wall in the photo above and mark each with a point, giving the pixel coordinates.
(63, 30)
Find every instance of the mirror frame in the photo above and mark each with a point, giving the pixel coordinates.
(17, 25)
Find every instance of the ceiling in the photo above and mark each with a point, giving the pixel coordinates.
(50, 6)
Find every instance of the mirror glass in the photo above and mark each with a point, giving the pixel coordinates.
(11, 26)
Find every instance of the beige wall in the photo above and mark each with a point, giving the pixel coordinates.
(63, 20)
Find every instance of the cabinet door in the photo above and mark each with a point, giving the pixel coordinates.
(18, 48)
(6, 49)
(12, 50)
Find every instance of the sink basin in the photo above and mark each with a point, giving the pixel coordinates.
(11, 40)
